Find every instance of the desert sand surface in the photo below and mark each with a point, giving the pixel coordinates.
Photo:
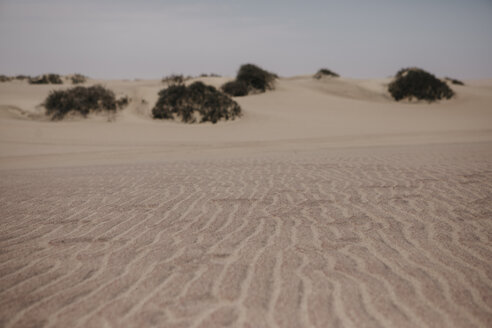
(326, 205)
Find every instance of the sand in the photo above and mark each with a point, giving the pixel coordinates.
(326, 205)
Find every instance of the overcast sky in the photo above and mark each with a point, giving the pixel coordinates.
(151, 38)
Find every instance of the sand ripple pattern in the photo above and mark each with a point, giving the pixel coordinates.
(382, 237)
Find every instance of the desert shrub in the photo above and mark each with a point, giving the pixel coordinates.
(235, 88)
(325, 72)
(196, 102)
(22, 77)
(417, 83)
(82, 100)
(78, 79)
(174, 79)
(122, 102)
(5, 78)
(46, 79)
(256, 77)
(405, 70)
(250, 79)
(454, 81)
(209, 75)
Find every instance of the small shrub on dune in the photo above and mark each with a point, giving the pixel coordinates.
(5, 78)
(174, 79)
(256, 77)
(253, 77)
(123, 102)
(235, 88)
(405, 70)
(22, 77)
(83, 100)
(78, 79)
(195, 103)
(209, 75)
(454, 81)
(416, 83)
(54, 79)
(46, 79)
(325, 72)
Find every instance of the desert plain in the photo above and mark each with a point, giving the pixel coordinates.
(327, 204)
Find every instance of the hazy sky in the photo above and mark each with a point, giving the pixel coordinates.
(150, 38)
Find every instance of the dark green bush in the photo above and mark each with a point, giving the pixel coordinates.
(196, 102)
(22, 77)
(235, 88)
(82, 100)
(325, 72)
(454, 81)
(78, 79)
(5, 78)
(123, 102)
(174, 79)
(252, 79)
(416, 83)
(46, 79)
(209, 75)
(256, 77)
(403, 71)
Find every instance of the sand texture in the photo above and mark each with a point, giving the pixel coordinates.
(326, 205)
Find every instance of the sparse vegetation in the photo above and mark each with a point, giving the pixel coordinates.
(209, 75)
(122, 102)
(403, 71)
(454, 81)
(78, 79)
(325, 72)
(195, 103)
(5, 78)
(256, 77)
(46, 79)
(174, 79)
(22, 77)
(253, 77)
(83, 100)
(416, 83)
(236, 88)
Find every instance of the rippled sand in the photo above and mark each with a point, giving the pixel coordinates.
(364, 237)
(326, 205)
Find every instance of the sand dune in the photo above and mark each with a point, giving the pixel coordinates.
(300, 113)
(326, 205)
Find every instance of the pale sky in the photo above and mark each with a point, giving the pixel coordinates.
(150, 38)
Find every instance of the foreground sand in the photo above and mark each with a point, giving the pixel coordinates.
(326, 205)
(380, 237)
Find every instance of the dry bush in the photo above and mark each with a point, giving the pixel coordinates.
(251, 78)
(83, 100)
(416, 83)
(46, 79)
(325, 72)
(195, 103)
(78, 79)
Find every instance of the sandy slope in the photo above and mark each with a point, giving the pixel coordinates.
(302, 113)
(326, 205)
